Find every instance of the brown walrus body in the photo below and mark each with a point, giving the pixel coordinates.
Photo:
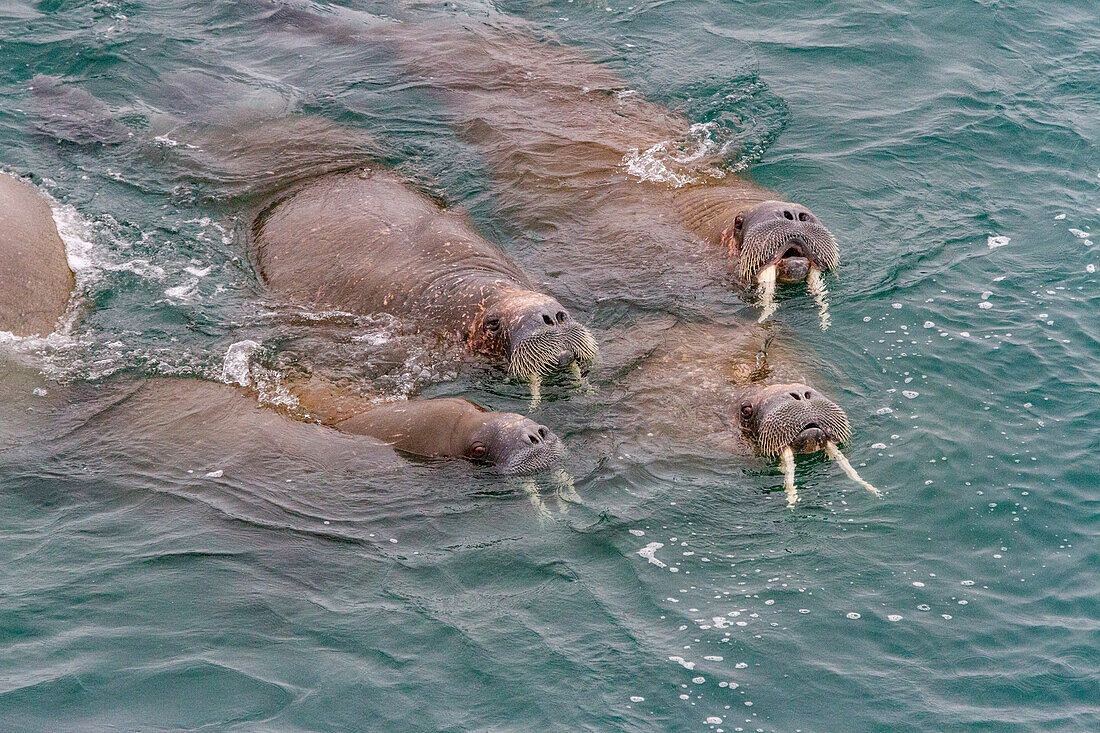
(35, 287)
(366, 243)
(35, 279)
(567, 143)
(729, 390)
(445, 427)
(225, 422)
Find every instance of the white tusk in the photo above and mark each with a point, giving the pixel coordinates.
(766, 278)
(836, 455)
(817, 289)
(532, 490)
(583, 385)
(536, 391)
(567, 490)
(786, 459)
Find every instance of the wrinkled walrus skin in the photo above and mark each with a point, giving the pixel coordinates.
(573, 149)
(35, 279)
(365, 242)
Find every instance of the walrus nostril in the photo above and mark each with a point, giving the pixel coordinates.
(803, 216)
(807, 395)
(533, 438)
(544, 432)
(796, 395)
(547, 319)
(788, 215)
(561, 316)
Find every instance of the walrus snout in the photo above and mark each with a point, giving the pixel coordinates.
(793, 416)
(521, 446)
(543, 338)
(785, 235)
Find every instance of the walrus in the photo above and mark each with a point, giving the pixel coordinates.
(435, 428)
(365, 242)
(37, 284)
(444, 427)
(595, 166)
(735, 390)
(35, 279)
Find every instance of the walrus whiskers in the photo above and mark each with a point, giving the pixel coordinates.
(836, 455)
(766, 278)
(786, 459)
(567, 489)
(817, 288)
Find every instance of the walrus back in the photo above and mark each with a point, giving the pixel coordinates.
(35, 279)
(366, 243)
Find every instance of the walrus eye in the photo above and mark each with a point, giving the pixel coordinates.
(493, 325)
(478, 451)
(746, 411)
(738, 221)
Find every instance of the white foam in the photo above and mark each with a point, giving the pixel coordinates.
(1079, 233)
(182, 292)
(661, 162)
(997, 241)
(236, 364)
(649, 553)
(682, 662)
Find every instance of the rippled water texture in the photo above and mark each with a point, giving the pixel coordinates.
(164, 573)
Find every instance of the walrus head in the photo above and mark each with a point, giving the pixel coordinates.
(782, 235)
(795, 416)
(783, 419)
(536, 334)
(513, 444)
(451, 427)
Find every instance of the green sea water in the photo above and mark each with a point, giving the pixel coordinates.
(954, 151)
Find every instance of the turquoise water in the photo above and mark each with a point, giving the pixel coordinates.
(953, 151)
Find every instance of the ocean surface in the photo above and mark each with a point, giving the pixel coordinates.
(954, 151)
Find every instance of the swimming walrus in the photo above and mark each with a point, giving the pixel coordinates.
(226, 419)
(365, 242)
(733, 390)
(600, 171)
(445, 427)
(37, 284)
(35, 279)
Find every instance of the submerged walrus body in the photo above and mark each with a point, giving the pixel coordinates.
(602, 172)
(445, 427)
(365, 242)
(35, 279)
(730, 390)
(208, 426)
(35, 287)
